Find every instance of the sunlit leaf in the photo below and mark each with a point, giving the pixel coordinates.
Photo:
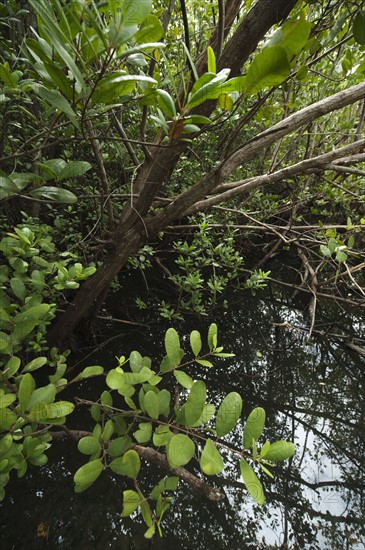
(252, 482)
(254, 426)
(228, 414)
(211, 461)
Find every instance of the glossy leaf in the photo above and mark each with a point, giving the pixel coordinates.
(89, 445)
(292, 36)
(166, 103)
(228, 413)
(211, 461)
(195, 342)
(254, 427)
(252, 482)
(269, 68)
(52, 193)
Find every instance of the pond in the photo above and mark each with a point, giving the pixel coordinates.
(313, 394)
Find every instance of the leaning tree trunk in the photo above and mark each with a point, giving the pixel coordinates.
(132, 232)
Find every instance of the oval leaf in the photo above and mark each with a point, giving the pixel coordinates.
(228, 413)
(127, 465)
(180, 450)
(87, 475)
(211, 461)
(252, 482)
(279, 451)
(254, 427)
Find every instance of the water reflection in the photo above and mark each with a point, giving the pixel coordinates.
(313, 394)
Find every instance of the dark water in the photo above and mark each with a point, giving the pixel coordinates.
(313, 393)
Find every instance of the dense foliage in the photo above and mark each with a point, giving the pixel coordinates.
(125, 125)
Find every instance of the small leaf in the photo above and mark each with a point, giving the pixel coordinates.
(254, 426)
(144, 432)
(180, 450)
(184, 379)
(89, 445)
(212, 336)
(35, 364)
(87, 475)
(228, 413)
(212, 65)
(195, 342)
(131, 501)
(152, 404)
(172, 346)
(127, 465)
(88, 372)
(211, 461)
(252, 482)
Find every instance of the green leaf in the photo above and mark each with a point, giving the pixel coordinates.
(207, 413)
(131, 501)
(184, 379)
(52, 193)
(254, 426)
(35, 364)
(87, 475)
(144, 432)
(58, 101)
(12, 366)
(164, 398)
(292, 36)
(59, 409)
(228, 413)
(269, 68)
(46, 394)
(166, 103)
(89, 445)
(195, 403)
(172, 346)
(180, 450)
(73, 169)
(212, 336)
(211, 461)
(127, 465)
(88, 372)
(252, 482)
(107, 431)
(7, 399)
(166, 484)
(204, 363)
(28, 319)
(359, 28)
(26, 388)
(210, 90)
(279, 451)
(195, 342)
(212, 64)
(150, 30)
(134, 13)
(152, 404)
(162, 436)
(341, 256)
(18, 288)
(135, 361)
(118, 446)
(115, 379)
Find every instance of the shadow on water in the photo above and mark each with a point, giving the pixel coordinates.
(313, 393)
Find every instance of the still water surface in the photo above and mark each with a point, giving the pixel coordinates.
(313, 393)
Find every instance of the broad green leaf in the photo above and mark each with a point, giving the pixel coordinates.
(164, 398)
(59, 79)
(73, 169)
(134, 13)
(184, 379)
(264, 449)
(195, 403)
(108, 430)
(46, 394)
(28, 319)
(135, 361)
(18, 288)
(162, 436)
(38, 412)
(195, 342)
(118, 446)
(172, 346)
(60, 409)
(35, 364)
(166, 484)
(211, 461)
(12, 366)
(150, 30)
(228, 413)
(236, 84)
(144, 432)
(166, 103)
(127, 465)
(87, 475)
(269, 68)
(58, 101)
(254, 426)
(359, 28)
(212, 65)
(7, 76)
(115, 379)
(52, 193)
(292, 36)
(131, 501)
(88, 372)
(89, 445)
(225, 102)
(212, 336)
(138, 377)
(152, 404)
(180, 450)
(252, 482)
(211, 90)
(279, 451)
(7, 399)
(207, 413)
(26, 388)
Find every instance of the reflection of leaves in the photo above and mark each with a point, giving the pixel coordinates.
(43, 530)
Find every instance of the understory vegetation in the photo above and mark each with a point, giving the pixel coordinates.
(195, 141)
